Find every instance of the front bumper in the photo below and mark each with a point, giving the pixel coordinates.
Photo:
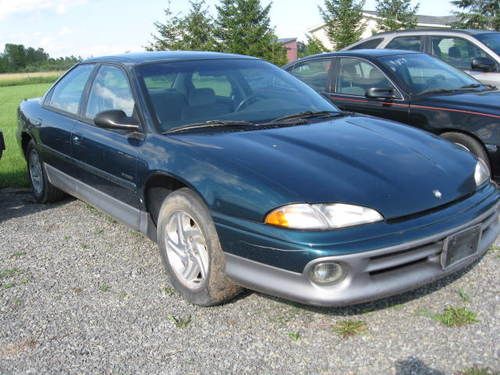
(373, 274)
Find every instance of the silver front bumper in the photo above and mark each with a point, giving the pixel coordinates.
(370, 275)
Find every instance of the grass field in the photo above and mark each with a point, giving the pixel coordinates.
(12, 164)
(19, 79)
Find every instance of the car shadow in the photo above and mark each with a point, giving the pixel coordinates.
(383, 303)
(20, 202)
(413, 365)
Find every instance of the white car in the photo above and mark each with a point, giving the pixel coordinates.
(473, 51)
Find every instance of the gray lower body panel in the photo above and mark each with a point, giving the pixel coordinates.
(131, 216)
(370, 275)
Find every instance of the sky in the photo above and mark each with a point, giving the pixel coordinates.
(98, 27)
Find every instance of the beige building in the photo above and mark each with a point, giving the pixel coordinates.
(370, 26)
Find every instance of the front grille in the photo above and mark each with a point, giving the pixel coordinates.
(429, 253)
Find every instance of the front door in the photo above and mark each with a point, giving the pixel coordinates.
(107, 158)
(352, 79)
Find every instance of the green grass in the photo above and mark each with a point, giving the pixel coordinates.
(12, 164)
(477, 371)
(456, 317)
(348, 328)
(180, 322)
(294, 336)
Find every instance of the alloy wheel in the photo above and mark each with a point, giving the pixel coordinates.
(186, 249)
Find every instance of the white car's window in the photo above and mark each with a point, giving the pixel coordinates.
(110, 90)
(408, 43)
(67, 94)
(455, 51)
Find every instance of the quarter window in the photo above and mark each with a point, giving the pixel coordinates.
(67, 94)
(110, 90)
(455, 51)
(407, 43)
(314, 73)
(356, 76)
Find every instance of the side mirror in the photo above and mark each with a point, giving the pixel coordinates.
(483, 64)
(380, 93)
(116, 119)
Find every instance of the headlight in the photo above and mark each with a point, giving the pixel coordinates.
(481, 173)
(321, 216)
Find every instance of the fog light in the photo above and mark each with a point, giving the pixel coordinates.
(327, 273)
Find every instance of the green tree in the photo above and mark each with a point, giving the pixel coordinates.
(477, 14)
(396, 15)
(244, 27)
(312, 46)
(192, 32)
(343, 19)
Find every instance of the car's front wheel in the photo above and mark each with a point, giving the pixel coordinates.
(191, 251)
(470, 144)
(43, 190)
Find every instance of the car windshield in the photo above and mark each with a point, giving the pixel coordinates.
(422, 73)
(225, 90)
(492, 41)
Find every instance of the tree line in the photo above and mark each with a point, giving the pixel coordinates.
(18, 58)
(244, 26)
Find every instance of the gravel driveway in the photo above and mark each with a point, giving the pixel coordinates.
(80, 293)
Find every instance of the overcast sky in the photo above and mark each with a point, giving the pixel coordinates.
(97, 27)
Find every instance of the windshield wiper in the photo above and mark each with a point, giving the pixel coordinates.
(210, 124)
(306, 115)
(471, 86)
(448, 91)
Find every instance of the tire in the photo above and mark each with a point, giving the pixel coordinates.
(43, 190)
(193, 256)
(470, 144)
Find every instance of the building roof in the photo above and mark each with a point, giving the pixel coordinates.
(286, 40)
(145, 57)
(422, 20)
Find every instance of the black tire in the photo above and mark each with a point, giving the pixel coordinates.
(46, 193)
(216, 287)
(470, 144)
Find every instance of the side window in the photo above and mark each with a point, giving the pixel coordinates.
(220, 84)
(110, 90)
(314, 73)
(408, 43)
(356, 76)
(67, 94)
(455, 51)
(369, 44)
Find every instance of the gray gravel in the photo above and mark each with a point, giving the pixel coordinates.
(80, 293)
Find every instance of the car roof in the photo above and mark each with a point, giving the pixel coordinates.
(364, 53)
(135, 58)
(430, 30)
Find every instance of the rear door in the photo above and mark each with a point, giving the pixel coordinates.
(353, 77)
(108, 158)
(59, 117)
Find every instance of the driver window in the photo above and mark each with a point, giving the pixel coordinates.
(356, 76)
(110, 90)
